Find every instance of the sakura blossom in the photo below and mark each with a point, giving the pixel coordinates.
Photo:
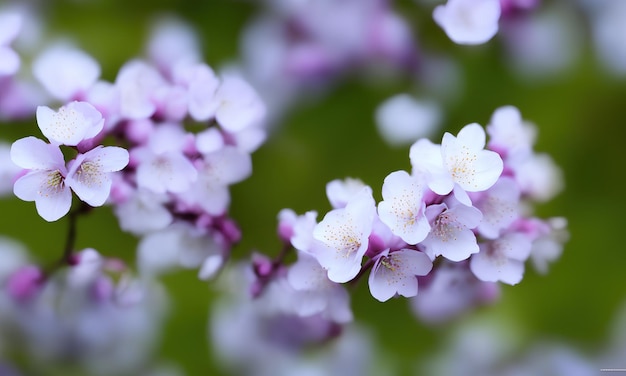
(137, 81)
(143, 212)
(450, 290)
(396, 273)
(471, 167)
(451, 235)
(11, 25)
(165, 142)
(339, 191)
(177, 246)
(216, 172)
(44, 181)
(237, 105)
(460, 164)
(343, 236)
(469, 21)
(66, 72)
(71, 124)
(163, 166)
(89, 174)
(48, 178)
(402, 119)
(499, 207)
(297, 229)
(509, 133)
(502, 259)
(403, 208)
(548, 245)
(317, 293)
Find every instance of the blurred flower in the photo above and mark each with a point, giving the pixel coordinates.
(469, 21)
(402, 119)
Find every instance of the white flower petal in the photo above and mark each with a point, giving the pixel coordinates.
(35, 154)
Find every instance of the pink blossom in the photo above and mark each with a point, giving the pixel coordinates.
(469, 21)
(499, 206)
(403, 119)
(509, 133)
(315, 293)
(471, 167)
(10, 26)
(143, 212)
(137, 82)
(340, 191)
(89, 174)
(66, 72)
(502, 259)
(44, 183)
(162, 164)
(451, 233)
(451, 290)
(403, 207)
(237, 105)
(342, 237)
(396, 272)
(215, 173)
(71, 124)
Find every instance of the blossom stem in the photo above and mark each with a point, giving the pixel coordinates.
(280, 258)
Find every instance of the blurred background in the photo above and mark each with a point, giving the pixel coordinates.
(554, 62)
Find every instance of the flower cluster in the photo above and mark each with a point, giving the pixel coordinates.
(457, 223)
(246, 332)
(189, 134)
(19, 94)
(48, 179)
(294, 49)
(164, 141)
(95, 312)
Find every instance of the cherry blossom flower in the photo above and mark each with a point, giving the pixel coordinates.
(237, 105)
(469, 21)
(471, 167)
(339, 191)
(202, 84)
(71, 124)
(502, 259)
(162, 164)
(427, 162)
(396, 272)
(9, 171)
(403, 207)
(209, 140)
(89, 174)
(10, 26)
(137, 82)
(459, 161)
(342, 237)
(216, 172)
(171, 37)
(316, 293)
(402, 119)
(298, 229)
(508, 133)
(537, 175)
(44, 183)
(450, 290)
(499, 206)
(143, 212)
(451, 233)
(179, 245)
(66, 72)
(548, 245)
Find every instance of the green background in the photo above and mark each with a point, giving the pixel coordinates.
(580, 120)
